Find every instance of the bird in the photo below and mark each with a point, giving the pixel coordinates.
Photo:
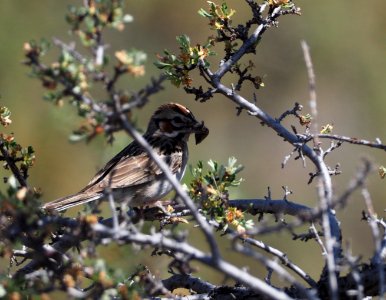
(132, 175)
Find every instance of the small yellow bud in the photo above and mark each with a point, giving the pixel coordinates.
(91, 219)
(68, 281)
(327, 129)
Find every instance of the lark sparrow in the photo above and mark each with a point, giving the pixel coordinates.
(132, 175)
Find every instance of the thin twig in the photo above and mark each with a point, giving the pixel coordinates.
(377, 259)
(324, 187)
(274, 266)
(311, 86)
(355, 273)
(354, 141)
(274, 251)
(318, 239)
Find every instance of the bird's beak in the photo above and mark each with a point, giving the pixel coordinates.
(201, 132)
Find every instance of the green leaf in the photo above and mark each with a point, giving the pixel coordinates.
(90, 24)
(52, 96)
(202, 12)
(224, 9)
(86, 41)
(45, 45)
(77, 137)
(231, 161)
(72, 9)
(139, 57)
(212, 165)
(184, 42)
(161, 65)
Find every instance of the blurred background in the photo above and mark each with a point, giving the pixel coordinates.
(348, 47)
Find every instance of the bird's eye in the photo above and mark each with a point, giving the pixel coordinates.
(177, 121)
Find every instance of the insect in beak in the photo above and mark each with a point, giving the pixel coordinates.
(201, 132)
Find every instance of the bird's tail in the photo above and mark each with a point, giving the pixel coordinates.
(71, 201)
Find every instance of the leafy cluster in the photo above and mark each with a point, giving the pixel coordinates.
(218, 15)
(5, 116)
(12, 153)
(74, 76)
(211, 191)
(220, 20)
(19, 204)
(88, 22)
(178, 67)
(65, 77)
(106, 281)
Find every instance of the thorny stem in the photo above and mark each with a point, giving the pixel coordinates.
(160, 241)
(332, 234)
(254, 205)
(333, 247)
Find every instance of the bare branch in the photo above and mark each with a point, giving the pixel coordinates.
(160, 241)
(354, 141)
(274, 266)
(271, 250)
(318, 239)
(376, 260)
(311, 86)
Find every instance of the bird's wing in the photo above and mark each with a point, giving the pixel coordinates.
(131, 171)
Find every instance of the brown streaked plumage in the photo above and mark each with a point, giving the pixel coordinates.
(131, 174)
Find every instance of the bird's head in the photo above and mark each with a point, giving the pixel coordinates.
(173, 119)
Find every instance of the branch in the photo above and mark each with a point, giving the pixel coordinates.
(188, 282)
(14, 169)
(376, 260)
(275, 252)
(355, 141)
(281, 272)
(325, 184)
(369, 277)
(311, 85)
(158, 240)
